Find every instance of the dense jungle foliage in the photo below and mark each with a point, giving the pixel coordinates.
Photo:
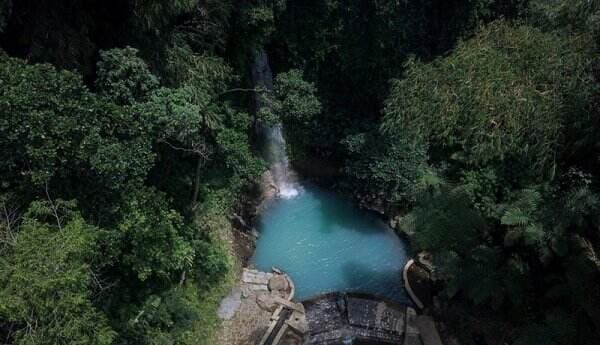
(475, 125)
(127, 142)
(120, 167)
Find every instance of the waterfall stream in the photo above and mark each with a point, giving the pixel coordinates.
(275, 150)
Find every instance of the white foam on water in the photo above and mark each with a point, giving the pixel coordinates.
(289, 190)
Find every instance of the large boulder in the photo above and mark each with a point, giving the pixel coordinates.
(278, 283)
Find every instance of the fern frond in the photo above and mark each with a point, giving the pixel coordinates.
(515, 217)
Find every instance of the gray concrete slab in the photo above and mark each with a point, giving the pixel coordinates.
(428, 331)
(230, 304)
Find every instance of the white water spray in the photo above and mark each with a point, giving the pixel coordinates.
(283, 176)
(275, 150)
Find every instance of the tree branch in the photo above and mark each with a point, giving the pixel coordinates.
(53, 206)
(9, 223)
(201, 149)
(260, 89)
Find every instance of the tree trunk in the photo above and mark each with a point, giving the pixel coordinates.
(197, 183)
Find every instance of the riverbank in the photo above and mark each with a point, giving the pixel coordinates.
(240, 320)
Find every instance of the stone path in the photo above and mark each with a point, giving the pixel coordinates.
(254, 281)
(230, 304)
(252, 311)
(288, 321)
(246, 322)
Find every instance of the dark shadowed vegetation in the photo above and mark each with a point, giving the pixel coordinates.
(127, 140)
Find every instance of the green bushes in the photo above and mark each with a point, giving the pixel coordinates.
(51, 126)
(498, 97)
(124, 77)
(55, 283)
(389, 168)
(156, 250)
(48, 284)
(154, 239)
(507, 116)
(151, 147)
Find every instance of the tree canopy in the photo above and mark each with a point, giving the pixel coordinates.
(128, 139)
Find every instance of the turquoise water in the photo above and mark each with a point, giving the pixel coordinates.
(326, 244)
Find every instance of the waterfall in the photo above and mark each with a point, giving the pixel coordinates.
(275, 150)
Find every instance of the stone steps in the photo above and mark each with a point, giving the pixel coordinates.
(254, 281)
